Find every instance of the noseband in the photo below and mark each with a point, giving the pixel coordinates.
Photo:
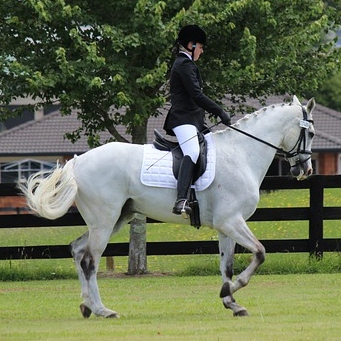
(302, 141)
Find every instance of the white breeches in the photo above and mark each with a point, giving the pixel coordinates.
(188, 139)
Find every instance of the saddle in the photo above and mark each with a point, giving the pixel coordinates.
(162, 143)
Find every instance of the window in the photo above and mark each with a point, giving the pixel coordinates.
(21, 170)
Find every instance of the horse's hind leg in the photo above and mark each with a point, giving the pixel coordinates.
(87, 251)
(77, 248)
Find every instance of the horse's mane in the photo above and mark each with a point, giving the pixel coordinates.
(258, 112)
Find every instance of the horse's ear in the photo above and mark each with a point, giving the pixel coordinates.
(296, 101)
(311, 105)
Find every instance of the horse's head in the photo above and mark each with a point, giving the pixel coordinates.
(299, 156)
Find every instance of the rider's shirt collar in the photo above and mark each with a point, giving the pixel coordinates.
(187, 54)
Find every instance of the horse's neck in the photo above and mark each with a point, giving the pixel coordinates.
(268, 124)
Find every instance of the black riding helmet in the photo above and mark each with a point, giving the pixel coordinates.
(191, 33)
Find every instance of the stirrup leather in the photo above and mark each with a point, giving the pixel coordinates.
(182, 207)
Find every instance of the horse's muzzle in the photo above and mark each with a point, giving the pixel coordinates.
(301, 171)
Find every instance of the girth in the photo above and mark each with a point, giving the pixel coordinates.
(162, 143)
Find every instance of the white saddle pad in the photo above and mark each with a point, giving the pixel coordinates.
(157, 167)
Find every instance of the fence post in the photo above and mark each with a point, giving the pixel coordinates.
(316, 216)
(110, 265)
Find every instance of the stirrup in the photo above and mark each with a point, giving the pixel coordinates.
(182, 207)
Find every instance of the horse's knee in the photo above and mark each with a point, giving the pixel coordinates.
(260, 255)
(88, 264)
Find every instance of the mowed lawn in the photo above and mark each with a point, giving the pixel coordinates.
(281, 307)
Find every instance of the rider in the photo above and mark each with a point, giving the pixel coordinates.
(188, 105)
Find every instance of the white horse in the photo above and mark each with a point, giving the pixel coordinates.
(105, 184)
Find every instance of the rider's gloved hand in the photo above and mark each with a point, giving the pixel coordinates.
(225, 118)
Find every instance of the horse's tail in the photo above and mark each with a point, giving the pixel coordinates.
(51, 193)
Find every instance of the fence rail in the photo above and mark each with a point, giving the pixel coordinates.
(316, 214)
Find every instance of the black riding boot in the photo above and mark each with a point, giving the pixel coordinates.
(185, 176)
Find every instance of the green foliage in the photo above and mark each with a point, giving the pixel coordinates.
(265, 47)
(329, 93)
(111, 59)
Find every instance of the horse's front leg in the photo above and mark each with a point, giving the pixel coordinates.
(240, 233)
(226, 251)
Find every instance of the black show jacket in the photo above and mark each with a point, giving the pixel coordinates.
(188, 102)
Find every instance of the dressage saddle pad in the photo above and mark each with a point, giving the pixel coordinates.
(157, 167)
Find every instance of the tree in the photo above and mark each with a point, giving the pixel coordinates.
(110, 59)
(329, 93)
(275, 47)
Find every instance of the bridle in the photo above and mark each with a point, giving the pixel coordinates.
(299, 147)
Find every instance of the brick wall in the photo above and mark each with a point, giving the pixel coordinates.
(10, 205)
(328, 163)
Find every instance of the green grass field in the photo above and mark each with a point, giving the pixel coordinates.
(171, 308)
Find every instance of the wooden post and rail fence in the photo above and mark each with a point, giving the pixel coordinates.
(315, 214)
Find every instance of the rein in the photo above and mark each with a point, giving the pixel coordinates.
(280, 151)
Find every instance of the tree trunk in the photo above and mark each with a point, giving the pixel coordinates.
(137, 263)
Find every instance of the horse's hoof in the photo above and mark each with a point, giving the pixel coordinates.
(86, 312)
(241, 313)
